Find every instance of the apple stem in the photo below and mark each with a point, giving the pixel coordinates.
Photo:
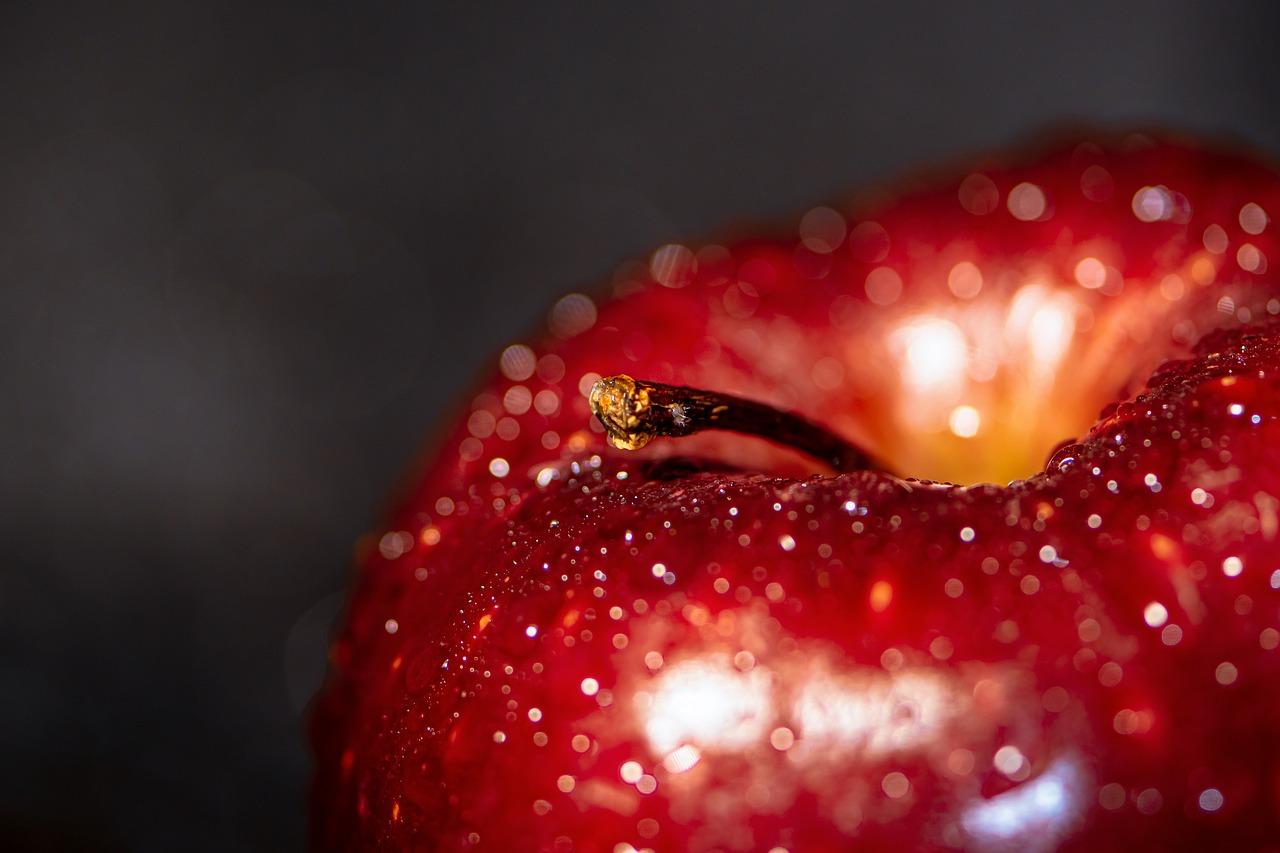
(634, 412)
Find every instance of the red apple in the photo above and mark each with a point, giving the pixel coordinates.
(715, 644)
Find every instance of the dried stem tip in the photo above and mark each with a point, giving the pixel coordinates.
(634, 412)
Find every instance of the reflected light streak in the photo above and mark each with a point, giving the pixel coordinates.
(810, 723)
(1042, 322)
(709, 703)
(1033, 817)
(682, 759)
(965, 421)
(877, 714)
(1051, 331)
(936, 353)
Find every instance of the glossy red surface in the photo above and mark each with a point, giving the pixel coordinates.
(708, 645)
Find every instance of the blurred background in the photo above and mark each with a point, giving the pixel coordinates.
(249, 253)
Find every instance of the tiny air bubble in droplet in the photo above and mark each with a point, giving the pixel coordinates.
(895, 785)
(517, 362)
(1226, 673)
(1027, 202)
(1010, 761)
(1153, 204)
(1211, 800)
(1091, 273)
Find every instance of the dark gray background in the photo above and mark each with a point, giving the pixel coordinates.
(249, 252)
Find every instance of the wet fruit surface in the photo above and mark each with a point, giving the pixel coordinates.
(710, 645)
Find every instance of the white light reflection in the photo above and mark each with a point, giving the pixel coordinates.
(1043, 320)
(936, 353)
(878, 714)
(711, 704)
(683, 759)
(965, 421)
(808, 722)
(1033, 817)
(707, 702)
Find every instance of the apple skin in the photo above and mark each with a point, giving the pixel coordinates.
(709, 645)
